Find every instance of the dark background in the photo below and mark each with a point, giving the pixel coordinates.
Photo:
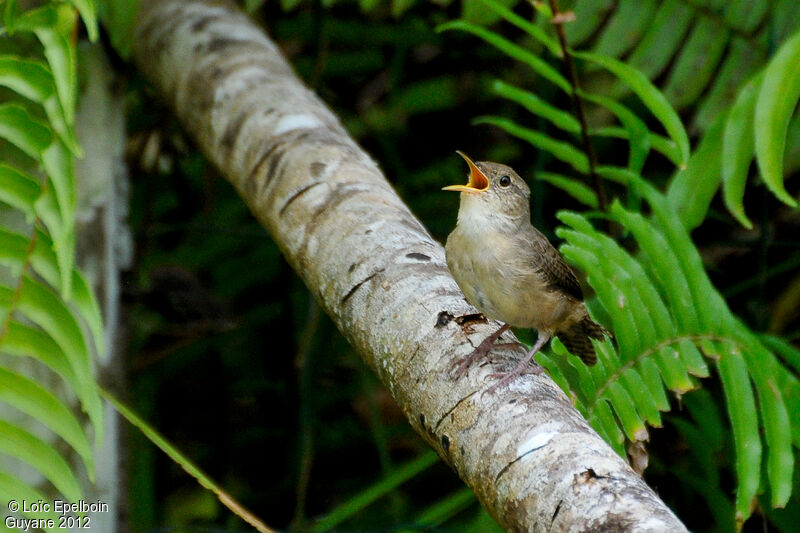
(229, 356)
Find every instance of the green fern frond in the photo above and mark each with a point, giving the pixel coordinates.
(646, 339)
(738, 148)
(46, 306)
(707, 53)
(704, 50)
(670, 323)
(777, 99)
(743, 360)
(537, 64)
(691, 190)
(561, 150)
(756, 127)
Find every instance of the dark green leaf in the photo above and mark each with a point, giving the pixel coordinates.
(742, 412)
(645, 401)
(119, 17)
(625, 408)
(58, 51)
(40, 455)
(13, 251)
(691, 190)
(13, 489)
(19, 128)
(36, 401)
(57, 162)
(589, 15)
(10, 13)
(559, 118)
(559, 149)
(87, 10)
(787, 351)
(776, 102)
(24, 341)
(630, 284)
(612, 298)
(29, 78)
(482, 11)
(638, 134)
(777, 430)
(746, 15)
(539, 66)
(660, 144)
(46, 309)
(697, 61)
(571, 186)
(531, 29)
(18, 190)
(649, 95)
(602, 419)
(45, 263)
(33, 80)
(554, 371)
(623, 30)
(737, 150)
(741, 61)
(396, 478)
(664, 36)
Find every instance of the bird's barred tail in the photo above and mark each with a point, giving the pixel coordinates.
(578, 339)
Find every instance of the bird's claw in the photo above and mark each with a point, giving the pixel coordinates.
(508, 377)
(460, 366)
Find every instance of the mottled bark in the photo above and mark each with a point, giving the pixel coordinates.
(533, 461)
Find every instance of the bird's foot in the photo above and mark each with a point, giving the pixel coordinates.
(460, 366)
(522, 367)
(508, 377)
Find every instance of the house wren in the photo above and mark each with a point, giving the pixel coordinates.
(510, 271)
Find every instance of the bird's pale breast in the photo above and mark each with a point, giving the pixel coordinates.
(497, 277)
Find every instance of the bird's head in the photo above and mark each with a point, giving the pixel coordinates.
(494, 192)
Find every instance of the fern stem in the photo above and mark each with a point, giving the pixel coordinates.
(188, 466)
(577, 101)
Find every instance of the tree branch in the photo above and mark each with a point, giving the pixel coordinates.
(530, 457)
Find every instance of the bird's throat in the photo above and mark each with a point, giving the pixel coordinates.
(477, 218)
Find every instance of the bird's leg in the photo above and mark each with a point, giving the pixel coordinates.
(508, 377)
(482, 350)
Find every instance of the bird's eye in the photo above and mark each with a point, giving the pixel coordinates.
(505, 181)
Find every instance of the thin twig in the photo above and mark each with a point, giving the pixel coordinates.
(577, 101)
(188, 466)
(302, 359)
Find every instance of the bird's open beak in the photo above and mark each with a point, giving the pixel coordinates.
(478, 182)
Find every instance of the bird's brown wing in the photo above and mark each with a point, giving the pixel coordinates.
(549, 261)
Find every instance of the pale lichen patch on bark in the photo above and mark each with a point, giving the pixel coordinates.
(539, 438)
(296, 122)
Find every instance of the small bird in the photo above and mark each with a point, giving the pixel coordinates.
(510, 271)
